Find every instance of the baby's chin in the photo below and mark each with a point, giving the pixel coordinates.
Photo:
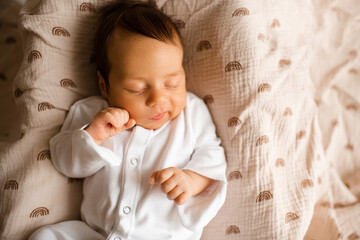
(151, 126)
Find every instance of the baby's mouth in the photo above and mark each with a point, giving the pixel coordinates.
(159, 116)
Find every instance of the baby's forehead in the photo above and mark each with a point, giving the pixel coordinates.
(123, 45)
(121, 34)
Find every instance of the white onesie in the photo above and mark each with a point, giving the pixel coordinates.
(118, 202)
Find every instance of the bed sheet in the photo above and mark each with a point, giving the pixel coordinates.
(335, 71)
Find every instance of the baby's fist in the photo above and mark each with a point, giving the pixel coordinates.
(175, 183)
(109, 122)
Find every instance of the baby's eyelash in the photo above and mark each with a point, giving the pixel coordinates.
(136, 92)
(171, 84)
(171, 87)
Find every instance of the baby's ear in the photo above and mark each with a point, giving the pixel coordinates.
(102, 85)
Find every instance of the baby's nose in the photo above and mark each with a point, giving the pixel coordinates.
(156, 97)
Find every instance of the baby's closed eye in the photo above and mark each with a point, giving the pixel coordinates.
(136, 91)
(172, 83)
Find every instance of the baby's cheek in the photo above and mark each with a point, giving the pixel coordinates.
(178, 107)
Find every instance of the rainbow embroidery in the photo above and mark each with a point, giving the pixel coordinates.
(203, 45)
(234, 175)
(353, 236)
(67, 83)
(179, 23)
(208, 99)
(34, 55)
(349, 147)
(353, 53)
(45, 106)
(43, 155)
(306, 183)
(233, 122)
(41, 211)
(275, 23)
(232, 230)
(262, 140)
(233, 66)
(59, 31)
(280, 162)
(261, 37)
(351, 107)
(284, 63)
(11, 185)
(241, 12)
(353, 71)
(290, 216)
(301, 134)
(264, 87)
(87, 7)
(288, 112)
(264, 196)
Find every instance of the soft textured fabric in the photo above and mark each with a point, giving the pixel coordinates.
(118, 200)
(67, 230)
(258, 65)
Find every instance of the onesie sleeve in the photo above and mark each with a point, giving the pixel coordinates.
(208, 159)
(73, 151)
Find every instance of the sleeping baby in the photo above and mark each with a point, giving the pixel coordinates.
(152, 163)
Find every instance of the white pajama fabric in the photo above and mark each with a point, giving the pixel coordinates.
(67, 230)
(118, 201)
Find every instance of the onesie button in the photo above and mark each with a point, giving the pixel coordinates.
(134, 161)
(127, 210)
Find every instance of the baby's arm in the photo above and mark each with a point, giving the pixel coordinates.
(109, 122)
(180, 185)
(76, 152)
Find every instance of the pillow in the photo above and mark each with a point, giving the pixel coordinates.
(248, 60)
(55, 72)
(335, 72)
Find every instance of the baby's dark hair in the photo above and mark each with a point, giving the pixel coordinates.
(134, 17)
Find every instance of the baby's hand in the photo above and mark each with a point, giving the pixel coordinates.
(176, 183)
(108, 122)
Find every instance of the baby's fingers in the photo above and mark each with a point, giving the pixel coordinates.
(121, 116)
(165, 174)
(152, 179)
(129, 124)
(182, 198)
(109, 118)
(174, 193)
(162, 175)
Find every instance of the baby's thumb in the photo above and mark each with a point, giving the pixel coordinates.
(152, 179)
(130, 123)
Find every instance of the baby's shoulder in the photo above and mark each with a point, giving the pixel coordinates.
(95, 103)
(196, 111)
(192, 100)
(92, 101)
(194, 103)
(88, 106)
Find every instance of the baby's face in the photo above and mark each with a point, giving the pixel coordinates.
(146, 78)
